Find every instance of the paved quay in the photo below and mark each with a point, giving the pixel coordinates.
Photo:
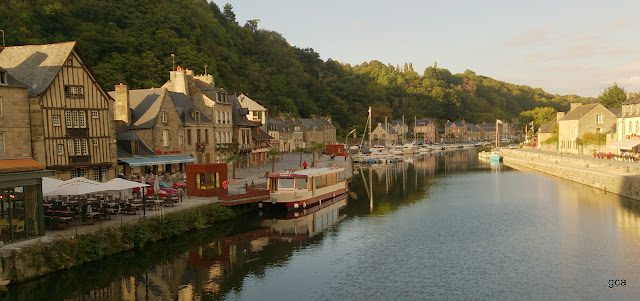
(244, 176)
(618, 177)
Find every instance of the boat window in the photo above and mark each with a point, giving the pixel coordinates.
(285, 183)
(301, 183)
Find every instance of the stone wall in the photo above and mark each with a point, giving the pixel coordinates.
(14, 122)
(627, 185)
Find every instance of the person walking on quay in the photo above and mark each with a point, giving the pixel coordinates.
(304, 164)
(345, 156)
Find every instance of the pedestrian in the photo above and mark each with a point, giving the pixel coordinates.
(304, 164)
(345, 156)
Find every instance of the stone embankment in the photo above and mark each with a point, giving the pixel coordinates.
(622, 178)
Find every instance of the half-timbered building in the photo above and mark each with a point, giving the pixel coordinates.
(71, 116)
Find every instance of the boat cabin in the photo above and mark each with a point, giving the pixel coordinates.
(308, 186)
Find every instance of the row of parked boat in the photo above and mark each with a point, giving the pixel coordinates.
(398, 153)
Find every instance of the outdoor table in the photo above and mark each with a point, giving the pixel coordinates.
(64, 221)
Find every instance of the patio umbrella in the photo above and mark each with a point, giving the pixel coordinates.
(122, 184)
(76, 186)
(156, 185)
(50, 184)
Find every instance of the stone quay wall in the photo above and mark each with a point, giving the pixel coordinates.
(621, 180)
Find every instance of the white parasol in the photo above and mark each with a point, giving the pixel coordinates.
(122, 184)
(50, 184)
(76, 186)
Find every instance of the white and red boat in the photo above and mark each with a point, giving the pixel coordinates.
(302, 188)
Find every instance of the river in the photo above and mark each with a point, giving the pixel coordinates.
(445, 226)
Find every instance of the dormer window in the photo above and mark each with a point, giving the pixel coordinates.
(3, 78)
(74, 91)
(196, 116)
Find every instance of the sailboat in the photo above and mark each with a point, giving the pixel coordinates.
(495, 156)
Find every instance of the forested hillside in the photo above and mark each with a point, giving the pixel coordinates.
(131, 41)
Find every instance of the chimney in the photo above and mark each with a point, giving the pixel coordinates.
(574, 105)
(179, 80)
(206, 78)
(559, 115)
(122, 103)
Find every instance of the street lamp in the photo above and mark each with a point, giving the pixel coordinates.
(346, 141)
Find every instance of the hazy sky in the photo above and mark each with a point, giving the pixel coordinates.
(563, 47)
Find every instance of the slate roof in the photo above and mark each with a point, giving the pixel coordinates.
(578, 112)
(310, 124)
(260, 135)
(487, 126)
(455, 123)
(239, 114)
(423, 122)
(35, 66)
(472, 127)
(632, 100)
(277, 124)
(145, 105)
(549, 126)
(185, 107)
(616, 111)
(123, 142)
(12, 81)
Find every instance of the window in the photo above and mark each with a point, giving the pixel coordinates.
(180, 140)
(217, 138)
(206, 136)
(3, 78)
(196, 116)
(134, 147)
(0, 106)
(95, 142)
(94, 115)
(78, 146)
(198, 136)
(256, 115)
(599, 118)
(218, 115)
(74, 91)
(1, 143)
(70, 147)
(96, 174)
(69, 62)
(630, 127)
(103, 173)
(60, 149)
(165, 137)
(83, 119)
(73, 173)
(85, 147)
(76, 120)
(189, 136)
(68, 119)
(164, 117)
(82, 172)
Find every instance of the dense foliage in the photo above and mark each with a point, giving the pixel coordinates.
(131, 41)
(539, 116)
(612, 97)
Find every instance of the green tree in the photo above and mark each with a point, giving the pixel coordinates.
(272, 154)
(300, 150)
(539, 116)
(612, 97)
(233, 159)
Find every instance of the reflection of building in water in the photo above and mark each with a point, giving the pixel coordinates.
(309, 222)
(628, 217)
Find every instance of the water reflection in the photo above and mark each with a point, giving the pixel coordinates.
(445, 219)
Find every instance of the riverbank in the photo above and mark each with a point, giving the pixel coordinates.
(81, 244)
(622, 178)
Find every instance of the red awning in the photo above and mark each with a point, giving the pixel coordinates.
(18, 165)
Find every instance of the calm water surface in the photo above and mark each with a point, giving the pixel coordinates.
(442, 227)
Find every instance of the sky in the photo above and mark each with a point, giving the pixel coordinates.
(564, 47)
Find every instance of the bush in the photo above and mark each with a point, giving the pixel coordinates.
(66, 253)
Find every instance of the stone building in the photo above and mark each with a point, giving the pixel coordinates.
(474, 133)
(257, 113)
(297, 135)
(455, 130)
(71, 116)
(148, 119)
(312, 132)
(213, 103)
(547, 130)
(328, 130)
(20, 175)
(582, 119)
(384, 134)
(425, 129)
(282, 134)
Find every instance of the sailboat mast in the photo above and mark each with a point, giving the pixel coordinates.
(386, 136)
(369, 121)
